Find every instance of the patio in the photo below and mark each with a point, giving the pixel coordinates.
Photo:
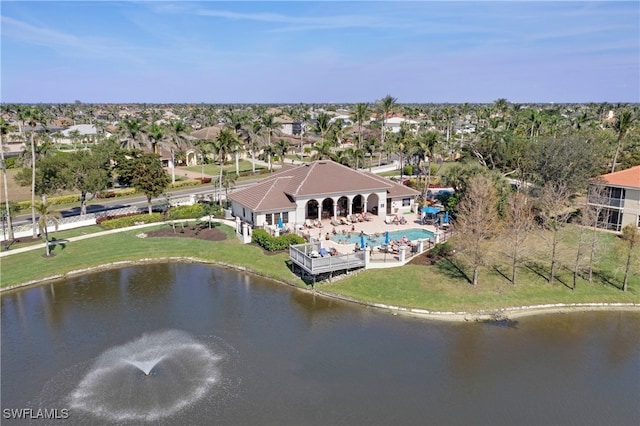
(377, 225)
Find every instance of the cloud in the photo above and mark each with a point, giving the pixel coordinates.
(65, 43)
(301, 23)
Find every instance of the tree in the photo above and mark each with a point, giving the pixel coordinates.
(149, 176)
(47, 215)
(4, 129)
(554, 213)
(386, 105)
(281, 148)
(518, 222)
(33, 116)
(590, 216)
(572, 160)
(631, 237)
(476, 223)
(178, 136)
(621, 126)
(88, 172)
(132, 130)
(359, 114)
(226, 142)
(323, 125)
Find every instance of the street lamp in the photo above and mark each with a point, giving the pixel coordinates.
(4, 234)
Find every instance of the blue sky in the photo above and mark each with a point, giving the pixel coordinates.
(316, 52)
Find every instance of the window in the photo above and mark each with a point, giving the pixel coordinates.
(406, 202)
(269, 218)
(285, 217)
(243, 213)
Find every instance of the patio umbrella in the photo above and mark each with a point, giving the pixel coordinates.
(362, 242)
(446, 217)
(386, 238)
(430, 210)
(280, 222)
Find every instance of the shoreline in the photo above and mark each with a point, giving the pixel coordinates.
(497, 314)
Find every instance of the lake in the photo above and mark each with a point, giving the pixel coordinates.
(224, 347)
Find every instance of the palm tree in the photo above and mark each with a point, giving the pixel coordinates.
(425, 148)
(323, 124)
(322, 149)
(47, 215)
(358, 115)
(281, 148)
(386, 106)
(237, 120)
(4, 130)
(177, 134)
(132, 129)
(269, 126)
(370, 146)
(226, 142)
(621, 126)
(33, 116)
(155, 133)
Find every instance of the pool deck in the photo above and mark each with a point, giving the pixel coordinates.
(377, 224)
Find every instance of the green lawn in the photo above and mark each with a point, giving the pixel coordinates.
(126, 246)
(442, 287)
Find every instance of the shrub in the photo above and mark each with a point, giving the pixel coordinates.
(112, 194)
(130, 220)
(269, 243)
(195, 211)
(11, 162)
(187, 182)
(441, 250)
(64, 199)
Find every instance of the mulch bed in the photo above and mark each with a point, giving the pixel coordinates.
(213, 234)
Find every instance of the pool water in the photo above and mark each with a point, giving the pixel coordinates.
(373, 240)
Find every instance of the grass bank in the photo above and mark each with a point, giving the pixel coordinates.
(442, 287)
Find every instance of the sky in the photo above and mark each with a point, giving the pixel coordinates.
(319, 51)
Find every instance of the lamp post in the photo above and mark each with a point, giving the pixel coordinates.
(5, 244)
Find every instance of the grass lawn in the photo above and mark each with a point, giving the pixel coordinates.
(126, 246)
(442, 287)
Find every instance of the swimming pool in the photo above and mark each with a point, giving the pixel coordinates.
(373, 240)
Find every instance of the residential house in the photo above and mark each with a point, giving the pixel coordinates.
(619, 199)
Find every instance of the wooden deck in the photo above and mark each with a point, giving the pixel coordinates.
(307, 257)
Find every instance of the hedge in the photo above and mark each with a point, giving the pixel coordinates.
(195, 211)
(115, 194)
(188, 182)
(130, 220)
(269, 243)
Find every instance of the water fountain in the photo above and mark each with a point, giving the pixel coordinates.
(149, 378)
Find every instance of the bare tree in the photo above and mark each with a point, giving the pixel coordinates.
(554, 212)
(476, 223)
(631, 237)
(596, 200)
(518, 222)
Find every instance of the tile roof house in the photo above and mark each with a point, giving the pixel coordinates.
(619, 199)
(319, 190)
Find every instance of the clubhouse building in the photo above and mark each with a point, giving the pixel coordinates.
(319, 190)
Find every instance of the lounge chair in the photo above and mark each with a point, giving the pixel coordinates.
(344, 221)
(324, 252)
(334, 222)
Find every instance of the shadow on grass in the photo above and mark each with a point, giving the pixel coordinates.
(537, 269)
(502, 274)
(606, 278)
(54, 243)
(451, 269)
